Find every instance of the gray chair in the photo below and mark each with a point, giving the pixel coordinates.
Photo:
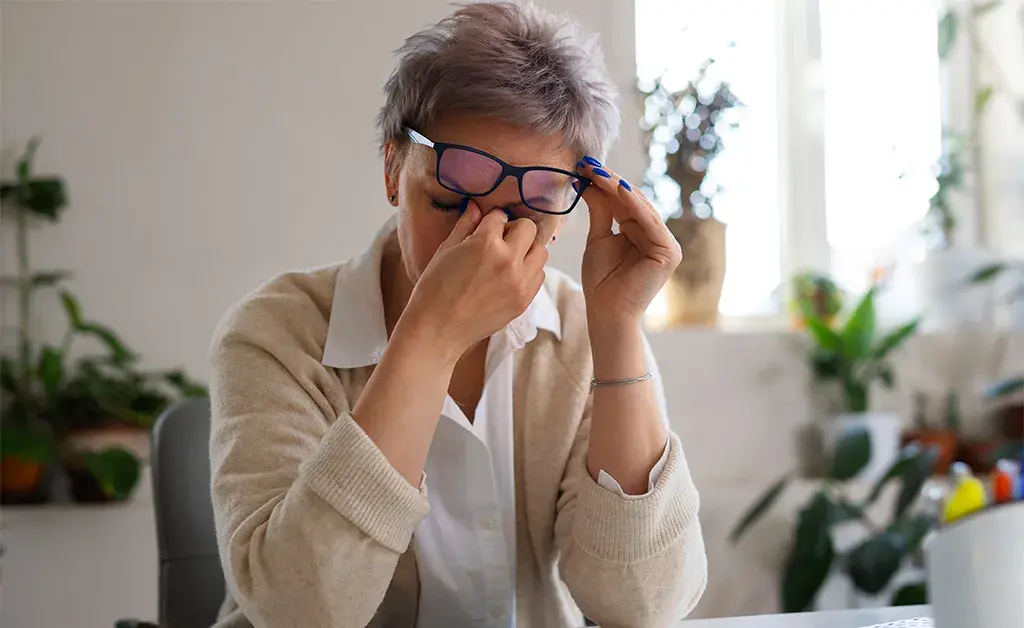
(191, 579)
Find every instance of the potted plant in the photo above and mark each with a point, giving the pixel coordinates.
(944, 438)
(814, 294)
(855, 357)
(871, 562)
(685, 126)
(26, 441)
(50, 404)
(104, 408)
(941, 274)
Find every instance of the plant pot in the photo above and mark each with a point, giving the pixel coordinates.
(131, 442)
(946, 441)
(978, 454)
(695, 288)
(884, 430)
(947, 299)
(23, 481)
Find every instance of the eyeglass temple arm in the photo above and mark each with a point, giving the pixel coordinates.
(419, 138)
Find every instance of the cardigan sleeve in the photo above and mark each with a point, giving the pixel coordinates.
(631, 562)
(311, 518)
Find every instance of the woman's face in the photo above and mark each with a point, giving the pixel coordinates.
(427, 212)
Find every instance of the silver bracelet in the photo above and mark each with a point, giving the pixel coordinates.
(620, 382)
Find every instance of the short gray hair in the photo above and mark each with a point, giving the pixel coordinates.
(518, 64)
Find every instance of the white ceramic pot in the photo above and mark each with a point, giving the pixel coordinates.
(976, 570)
(884, 429)
(946, 298)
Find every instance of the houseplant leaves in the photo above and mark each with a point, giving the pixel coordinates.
(116, 470)
(811, 557)
(852, 452)
(761, 506)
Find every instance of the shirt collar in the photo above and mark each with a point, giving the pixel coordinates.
(356, 332)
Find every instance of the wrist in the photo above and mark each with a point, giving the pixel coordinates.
(618, 351)
(424, 340)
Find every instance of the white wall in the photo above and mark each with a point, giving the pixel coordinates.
(208, 146)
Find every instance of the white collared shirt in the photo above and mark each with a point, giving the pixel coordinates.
(466, 547)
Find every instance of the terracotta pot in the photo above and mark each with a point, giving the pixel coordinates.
(946, 441)
(1011, 421)
(695, 288)
(133, 438)
(23, 481)
(977, 454)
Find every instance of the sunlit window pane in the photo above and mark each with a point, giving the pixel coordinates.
(673, 38)
(882, 130)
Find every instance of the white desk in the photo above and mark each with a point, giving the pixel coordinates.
(825, 619)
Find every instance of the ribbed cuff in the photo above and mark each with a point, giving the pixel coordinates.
(625, 531)
(351, 474)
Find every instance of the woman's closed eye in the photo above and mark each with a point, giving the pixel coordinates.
(457, 206)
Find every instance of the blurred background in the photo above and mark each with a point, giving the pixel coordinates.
(846, 178)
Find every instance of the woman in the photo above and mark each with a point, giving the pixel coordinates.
(446, 356)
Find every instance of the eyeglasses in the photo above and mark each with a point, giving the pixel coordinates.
(472, 172)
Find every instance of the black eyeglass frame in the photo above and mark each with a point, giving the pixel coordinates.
(507, 170)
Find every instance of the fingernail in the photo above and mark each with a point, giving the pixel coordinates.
(602, 173)
(580, 164)
(592, 161)
(626, 185)
(508, 214)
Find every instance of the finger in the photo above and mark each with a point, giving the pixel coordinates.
(466, 225)
(492, 224)
(520, 235)
(536, 258)
(600, 213)
(627, 203)
(667, 254)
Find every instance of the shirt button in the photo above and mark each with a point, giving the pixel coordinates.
(488, 523)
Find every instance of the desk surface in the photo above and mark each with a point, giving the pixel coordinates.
(825, 619)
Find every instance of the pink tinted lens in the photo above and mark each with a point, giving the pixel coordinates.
(549, 191)
(467, 172)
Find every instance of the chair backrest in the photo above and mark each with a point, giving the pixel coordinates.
(191, 578)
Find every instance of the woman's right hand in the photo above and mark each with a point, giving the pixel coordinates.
(481, 278)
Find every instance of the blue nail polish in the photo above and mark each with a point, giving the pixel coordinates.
(602, 173)
(509, 214)
(580, 164)
(626, 185)
(592, 161)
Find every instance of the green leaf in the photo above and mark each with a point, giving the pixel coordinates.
(119, 353)
(8, 377)
(116, 470)
(914, 528)
(843, 511)
(904, 463)
(852, 452)
(49, 278)
(71, 308)
(1006, 387)
(826, 364)
(859, 334)
(914, 594)
(24, 167)
(824, 335)
(985, 7)
(986, 273)
(948, 27)
(28, 444)
(895, 339)
(51, 369)
(981, 98)
(872, 564)
(44, 198)
(810, 558)
(913, 478)
(755, 512)
(885, 374)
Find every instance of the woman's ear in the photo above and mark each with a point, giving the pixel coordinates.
(391, 171)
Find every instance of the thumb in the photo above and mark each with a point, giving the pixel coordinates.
(600, 214)
(466, 225)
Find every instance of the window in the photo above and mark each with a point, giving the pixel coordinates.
(830, 165)
(674, 37)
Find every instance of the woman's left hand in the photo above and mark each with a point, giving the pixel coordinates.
(623, 272)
